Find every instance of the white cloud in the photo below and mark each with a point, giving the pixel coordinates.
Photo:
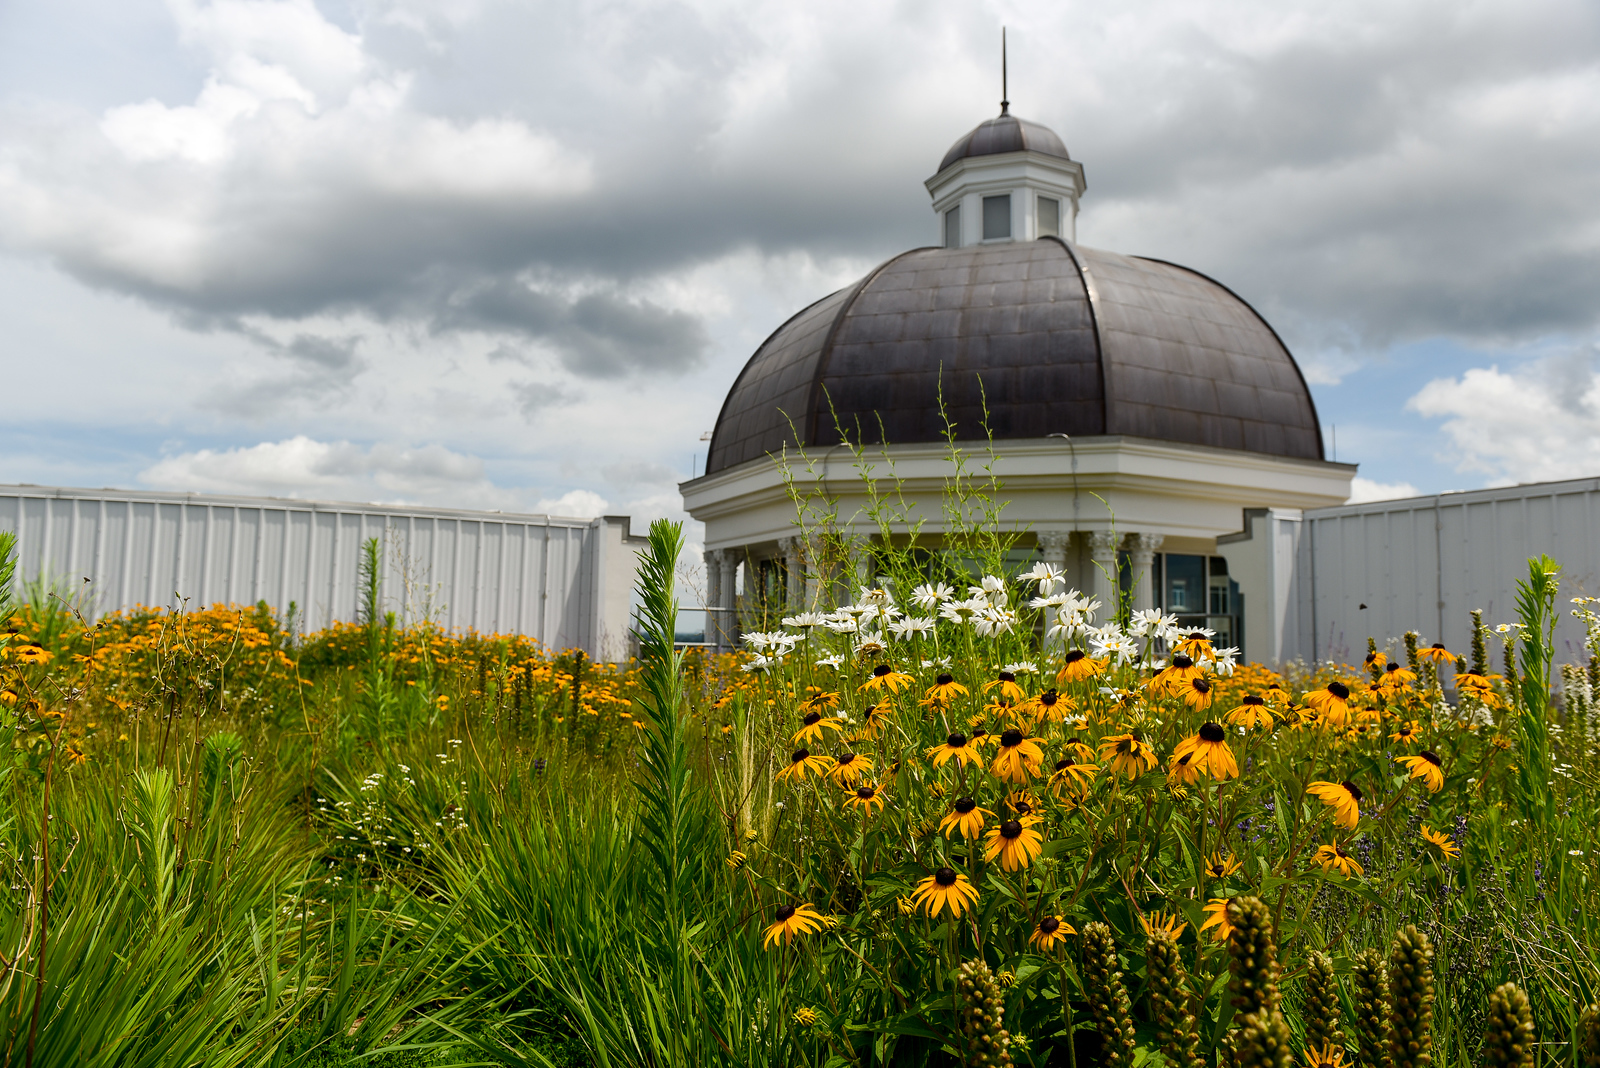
(337, 470)
(1365, 489)
(579, 503)
(1537, 423)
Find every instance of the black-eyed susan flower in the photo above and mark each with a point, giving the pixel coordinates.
(1072, 776)
(1252, 711)
(1333, 856)
(1332, 703)
(1375, 660)
(1196, 693)
(1018, 758)
(945, 888)
(1343, 797)
(814, 728)
(873, 719)
(1077, 666)
(1015, 842)
(1220, 867)
(806, 1016)
(849, 769)
(1006, 683)
(1170, 922)
(1195, 645)
(1021, 803)
(943, 692)
(1052, 706)
(1217, 916)
(1442, 841)
(819, 700)
(736, 860)
(1049, 931)
(1398, 677)
(1208, 752)
(865, 798)
(1181, 770)
(885, 677)
(1176, 676)
(791, 921)
(1427, 767)
(31, 654)
(803, 761)
(1127, 754)
(1437, 653)
(964, 816)
(957, 747)
(1407, 732)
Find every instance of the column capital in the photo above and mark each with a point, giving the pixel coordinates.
(1054, 544)
(1144, 547)
(1103, 544)
(713, 557)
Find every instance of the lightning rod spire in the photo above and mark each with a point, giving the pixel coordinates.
(1005, 103)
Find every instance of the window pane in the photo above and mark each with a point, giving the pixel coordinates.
(1049, 217)
(996, 217)
(952, 227)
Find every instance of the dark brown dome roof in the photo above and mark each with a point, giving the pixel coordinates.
(1063, 339)
(1006, 133)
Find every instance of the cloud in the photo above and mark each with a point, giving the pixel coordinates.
(1535, 423)
(1365, 489)
(338, 470)
(579, 503)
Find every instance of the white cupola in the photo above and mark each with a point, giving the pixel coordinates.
(1007, 180)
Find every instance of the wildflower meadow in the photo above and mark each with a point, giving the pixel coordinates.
(946, 811)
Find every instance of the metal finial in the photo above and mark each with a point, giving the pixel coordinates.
(1005, 103)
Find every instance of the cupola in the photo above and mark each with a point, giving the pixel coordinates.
(1007, 180)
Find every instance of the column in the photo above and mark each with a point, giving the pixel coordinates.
(1142, 548)
(713, 558)
(794, 564)
(1102, 584)
(727, 619)
(1054, 543)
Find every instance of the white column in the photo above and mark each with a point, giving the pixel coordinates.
(727, 620)
(1053, 544)
(1142, 549)
(1102, 582)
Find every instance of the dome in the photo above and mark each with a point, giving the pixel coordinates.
(1006, 133)
(1050, 337)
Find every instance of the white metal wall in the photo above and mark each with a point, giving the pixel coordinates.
(543, 576)
(1424, 563)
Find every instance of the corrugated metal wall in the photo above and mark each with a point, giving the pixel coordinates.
(1424, 563)
(542, 576)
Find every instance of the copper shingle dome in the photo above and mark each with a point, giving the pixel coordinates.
(1064, 339)
(1005, 133)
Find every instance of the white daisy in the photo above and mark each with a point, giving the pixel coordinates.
(932, 595)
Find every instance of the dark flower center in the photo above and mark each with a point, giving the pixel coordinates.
(1342, 854)
(1350, 786)
(866, 793)
(944, 680)
(783, 913)
(1339, 690)
(1432, 758)
(1201, 686)
(1372, 657)
(847, 759)
(1196, 636)
(1217, 870)
(1010, 739)
(945, 877)
(964, 805)
(1392, 667)
(1049, 698)
(979, 733)
(812, 717)
(799, 755)
(1008, 676)
(1211, 732)
(1252, 700)
(1075, 656)
(1022, 807)
(1011, 829)
(881, 670)
(1064, 763)
(1182, 662)
(1049, 925)
(1436, 645)
(956, 741)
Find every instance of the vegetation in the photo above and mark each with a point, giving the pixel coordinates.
(944, 811)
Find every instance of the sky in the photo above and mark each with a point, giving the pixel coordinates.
(512, 254)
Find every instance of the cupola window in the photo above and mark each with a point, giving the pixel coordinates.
(952, 227)
(1049, 217)
(996, 217)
